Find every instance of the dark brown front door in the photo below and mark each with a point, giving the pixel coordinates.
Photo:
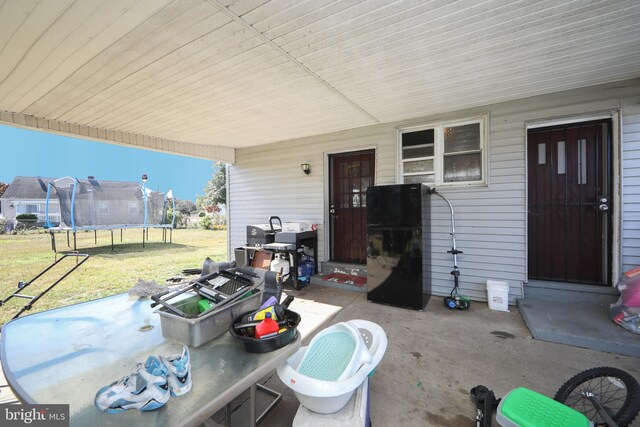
(350, 175)
(569, 212)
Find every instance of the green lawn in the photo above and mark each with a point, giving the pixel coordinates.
(105, 273)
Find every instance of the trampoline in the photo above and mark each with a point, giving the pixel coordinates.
(89, 204)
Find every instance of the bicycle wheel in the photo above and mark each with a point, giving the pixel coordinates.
(617, 391)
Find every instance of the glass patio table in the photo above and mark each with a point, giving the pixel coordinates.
(65, 355)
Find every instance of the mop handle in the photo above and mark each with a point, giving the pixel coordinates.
(453, 221)
(454, 249)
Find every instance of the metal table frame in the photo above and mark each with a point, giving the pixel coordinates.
(65, 355)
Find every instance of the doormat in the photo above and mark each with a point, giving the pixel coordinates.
(346, 279)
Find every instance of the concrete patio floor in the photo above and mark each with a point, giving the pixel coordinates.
(436, 356)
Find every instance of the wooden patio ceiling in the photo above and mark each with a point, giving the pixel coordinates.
(203, 77)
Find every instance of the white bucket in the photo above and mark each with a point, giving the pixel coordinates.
(498, 295)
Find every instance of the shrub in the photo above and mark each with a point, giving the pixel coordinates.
(181, 219)
(201, 214)
(206, 223)
(27, 216)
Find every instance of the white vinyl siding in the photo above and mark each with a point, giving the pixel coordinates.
(491, 221)
(28, 209)
(260, 173)
(631, 187)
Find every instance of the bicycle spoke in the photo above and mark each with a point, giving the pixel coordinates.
(605, 392)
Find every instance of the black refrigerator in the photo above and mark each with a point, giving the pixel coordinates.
(398, 245)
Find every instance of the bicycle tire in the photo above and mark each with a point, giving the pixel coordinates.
(606, 383)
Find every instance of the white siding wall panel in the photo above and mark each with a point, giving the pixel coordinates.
(268, 180)
(491, 221)
(631, 187)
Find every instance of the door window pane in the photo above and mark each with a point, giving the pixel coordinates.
(364, 184)
(542, 154)
(462, 138)
(365, 168)
(463, 167)
(355, 185)
(582, 161)
(354, 169)
(344, 185)
(562, 160)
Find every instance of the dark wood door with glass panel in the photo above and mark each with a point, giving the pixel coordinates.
(569, 207)
(350, 175)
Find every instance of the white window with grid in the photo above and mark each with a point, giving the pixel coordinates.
(446, 153)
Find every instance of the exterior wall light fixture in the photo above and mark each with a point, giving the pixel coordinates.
(306, 168)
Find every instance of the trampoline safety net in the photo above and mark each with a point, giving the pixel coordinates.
(95, 205)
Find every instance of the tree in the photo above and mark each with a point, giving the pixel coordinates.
(215, 191)
(181, 219)
(3, 188)
(186, 207)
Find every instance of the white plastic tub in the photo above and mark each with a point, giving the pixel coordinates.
(354, 414)
(498, 295)
(327, 396)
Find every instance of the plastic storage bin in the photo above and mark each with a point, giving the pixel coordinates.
(498, 295)
(296, 226)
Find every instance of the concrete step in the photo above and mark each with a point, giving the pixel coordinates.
(317, 280)
(570, 292)
(329, 267)
(580, 324)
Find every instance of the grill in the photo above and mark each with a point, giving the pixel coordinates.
(262, 234)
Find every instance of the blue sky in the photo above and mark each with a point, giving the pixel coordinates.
(31, 153)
